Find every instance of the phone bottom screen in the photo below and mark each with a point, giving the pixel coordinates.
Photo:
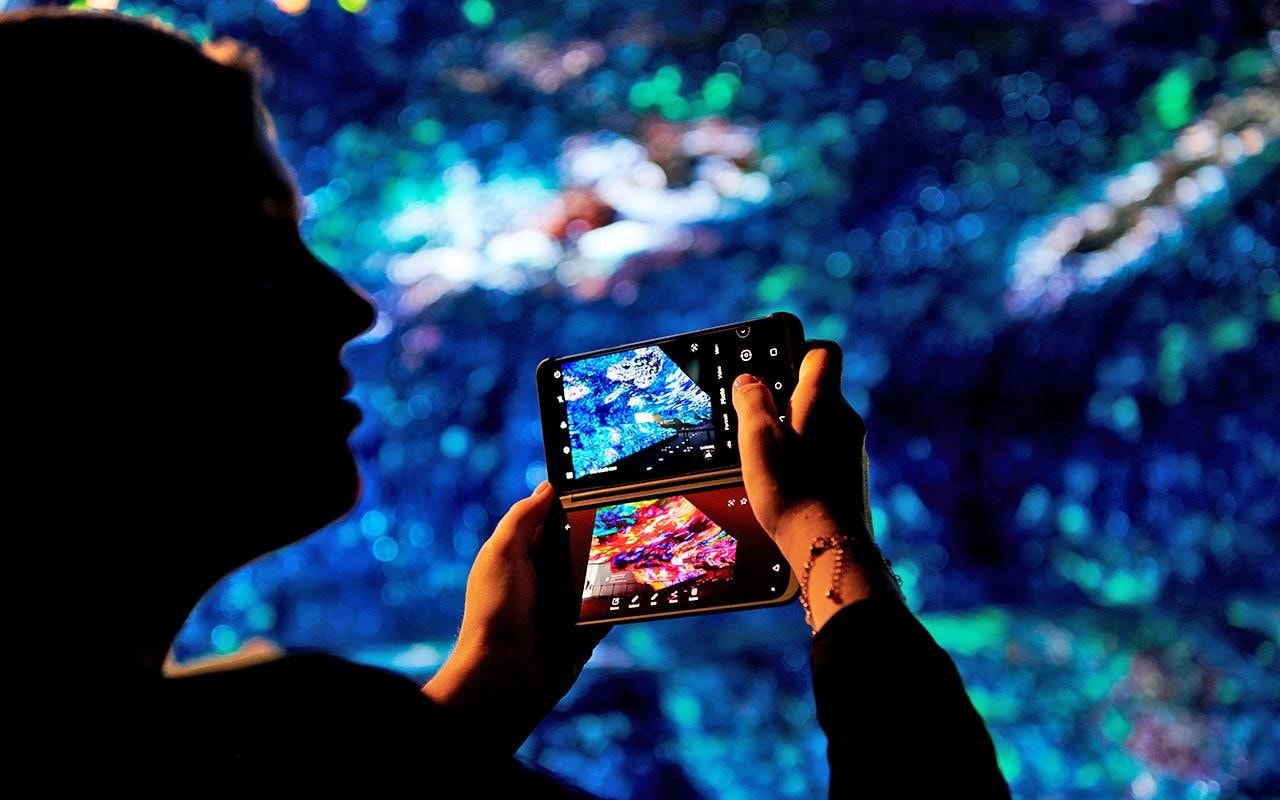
(679, 553)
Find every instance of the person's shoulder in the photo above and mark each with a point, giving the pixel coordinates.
(295, 679)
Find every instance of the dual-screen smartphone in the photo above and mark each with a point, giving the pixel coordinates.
(641, 446)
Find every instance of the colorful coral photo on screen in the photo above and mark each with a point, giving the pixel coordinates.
(656, 544)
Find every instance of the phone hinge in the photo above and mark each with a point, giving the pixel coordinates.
(682, 483)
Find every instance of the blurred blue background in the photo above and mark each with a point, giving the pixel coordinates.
(1045, 234)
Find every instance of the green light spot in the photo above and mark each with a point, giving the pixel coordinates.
(1273, 308)
(1007, 758)
(1172, 97)
(667, 80)
(643, 95)
(478, 12)
(675, 107)
(777, 282)
(353, 6)
(1231, 335)
(970, 632)
(720, 89)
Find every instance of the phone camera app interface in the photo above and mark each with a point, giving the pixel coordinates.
(673, 553)
(662, 409)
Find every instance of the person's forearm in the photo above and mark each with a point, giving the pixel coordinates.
(896, 715)
(498, 722)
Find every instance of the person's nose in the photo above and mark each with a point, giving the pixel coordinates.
(347, 308)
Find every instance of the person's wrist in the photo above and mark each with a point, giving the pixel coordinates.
(797, 527)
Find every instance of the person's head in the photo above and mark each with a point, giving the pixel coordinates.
(185, 380)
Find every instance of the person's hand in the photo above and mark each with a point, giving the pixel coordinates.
(806, 476)
(511, 664)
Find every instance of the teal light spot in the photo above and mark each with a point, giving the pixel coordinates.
(684, 710)
(373, 523)
(1231, 334)
(428, 132)
(479, 13)
(674, 107)
(453, 442)
(640, 643)
(994, 707)
(1230, 691)
(720, 89)
(1034, 506)
(777, 282)
(1125, 412)
(261, 617)
(1089, 776)
(831, 327)
(1172, 97)
(1127, 589)
(1266, 654)
(1073, 521)
(385, 549)
(970, 632)
(1273, 308)
(224, 638)
(879, 523)
(1247, 64)
(1008, 760)
(1115, 726)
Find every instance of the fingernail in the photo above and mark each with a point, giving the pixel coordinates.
(542, 488)
(744, 380)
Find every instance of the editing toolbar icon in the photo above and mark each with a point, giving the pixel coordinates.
(745, 355)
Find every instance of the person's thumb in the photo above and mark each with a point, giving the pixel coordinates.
(759, 430)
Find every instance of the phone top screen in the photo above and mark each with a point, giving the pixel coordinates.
(673, 554)
(661, 408)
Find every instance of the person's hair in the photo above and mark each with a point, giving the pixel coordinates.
(112, 120)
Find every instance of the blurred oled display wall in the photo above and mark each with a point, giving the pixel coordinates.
(1044, 233)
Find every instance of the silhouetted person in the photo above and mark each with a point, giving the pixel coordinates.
(182, 414)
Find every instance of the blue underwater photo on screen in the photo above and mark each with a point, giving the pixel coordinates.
(621, 404)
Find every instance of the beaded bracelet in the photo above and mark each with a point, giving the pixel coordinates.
(822, 544)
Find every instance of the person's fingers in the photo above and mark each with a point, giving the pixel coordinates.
(819, 377)
(759, 431)
(521, 524)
